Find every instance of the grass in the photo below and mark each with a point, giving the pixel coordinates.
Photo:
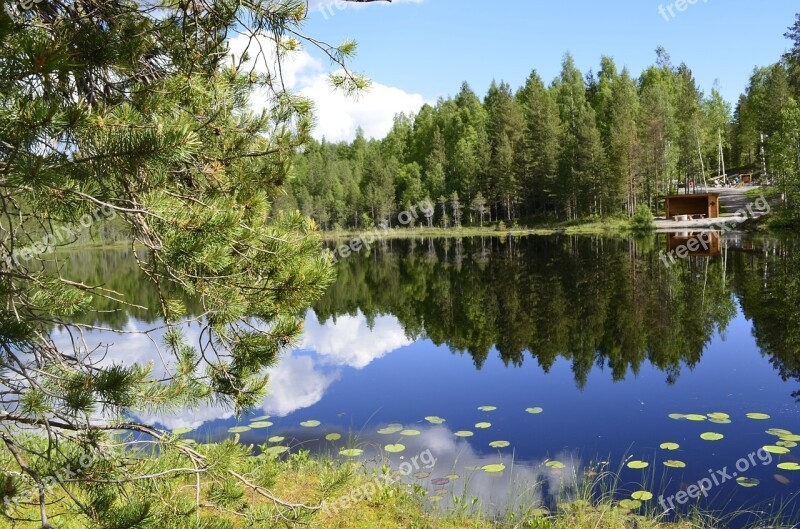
(606, 226)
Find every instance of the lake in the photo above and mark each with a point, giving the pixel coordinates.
(552, 356)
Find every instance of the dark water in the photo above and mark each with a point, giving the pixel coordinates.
(598, 332)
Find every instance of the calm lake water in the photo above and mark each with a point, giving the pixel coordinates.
(597, 332)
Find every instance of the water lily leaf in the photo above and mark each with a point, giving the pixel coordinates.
(441, 492)
(438, 482)
(719, 416)
(274, 451)
(410, 433)
(487, 408)
(535, 411)
(453, 477)
(792, 438)
(463, 433)
(672, 463)
(748, 482)
(758, 416)
(239, 429)
(670, 446)
(637, 465)
(779, 450)
(394, 448)
(712, 436)
(182, 431)
(499, 444)
(783, 480)
(493, 469)
(630, 505)
(794, 467)
(351, 452)
(483, 425)
(434, 420)
(435, 499)
(333, 437)
(677, 416)
(310, 424)
(777, 432)
(422, 474)
(555, 464)
(260, 424)
(276, 439)
(391, 429)
(787, 444)
(642, 495)
(720, 421)
(261, 418)
(695, 417)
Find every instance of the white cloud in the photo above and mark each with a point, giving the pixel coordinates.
(338, 116)
(296, 384)
(349, 341)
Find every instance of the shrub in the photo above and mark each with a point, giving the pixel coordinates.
(642, 219)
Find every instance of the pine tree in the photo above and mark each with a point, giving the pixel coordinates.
(119, 109)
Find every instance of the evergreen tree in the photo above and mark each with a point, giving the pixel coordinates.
(139, 111)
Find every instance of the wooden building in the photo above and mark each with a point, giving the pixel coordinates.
(705, 244)
(701, 205)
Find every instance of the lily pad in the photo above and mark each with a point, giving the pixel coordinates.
(261, 418)
(748, 482)
(787, 444)
(637, 465)
(499, 444)
(483, 425)
(712, 436)
(394, 448)
(275, 451)
(677, 416)
(453, 477)
(182, 431)
(239, 429)
(535, 411)
(783, 480)
(463, 433)
(720, 421)
(630, 505)
(391, 429)
(487, 408)
(493, 469)
(438, 482)
(276, 439)
(410, 433)
(719, 416)
(794, 467)
(260, 424)
(310, 424)
(779, 450)
(642, 495)
(555, 464)
(695, 417)
(351, 452)
(434, 420)
(778, 432)
(758, 416)
(672, 463)
(422, 475)
(333, 437)
(791, 438)
(670, 446)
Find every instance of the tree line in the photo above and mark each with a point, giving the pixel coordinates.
(593, 145)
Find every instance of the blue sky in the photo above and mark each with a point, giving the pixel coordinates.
(423, 49)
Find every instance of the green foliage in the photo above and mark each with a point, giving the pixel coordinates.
(642, 219)
(117, 118)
